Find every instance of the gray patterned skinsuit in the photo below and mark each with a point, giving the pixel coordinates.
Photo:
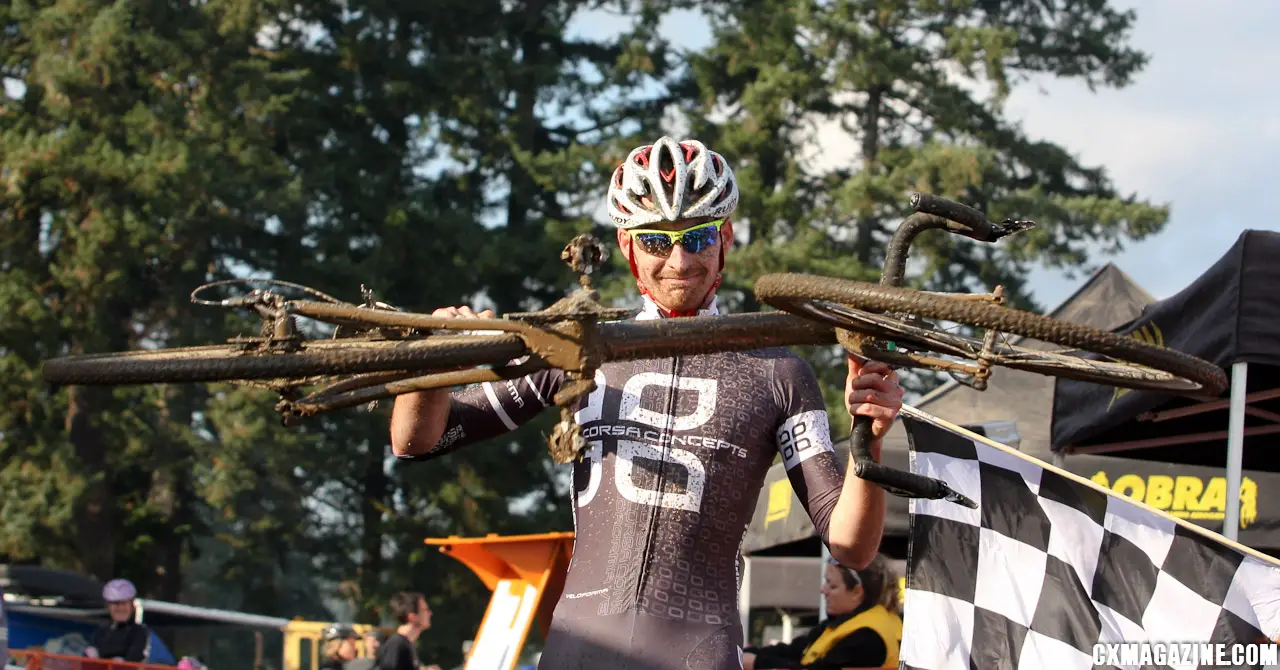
(678, 450)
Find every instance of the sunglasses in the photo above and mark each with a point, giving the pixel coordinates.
(694, 239)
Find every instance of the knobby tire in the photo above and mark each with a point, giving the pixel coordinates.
(788, 291)
(228, 362)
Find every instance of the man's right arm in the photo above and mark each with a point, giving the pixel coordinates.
(432, 423)
(428, 424)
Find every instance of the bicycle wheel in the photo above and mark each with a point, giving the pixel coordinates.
(231, 362)
(869, 308)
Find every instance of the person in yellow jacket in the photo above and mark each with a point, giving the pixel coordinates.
(859, 632)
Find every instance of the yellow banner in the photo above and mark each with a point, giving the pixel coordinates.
(1185, 496)
(779, 501)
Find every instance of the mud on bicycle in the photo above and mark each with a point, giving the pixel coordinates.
(379, 351)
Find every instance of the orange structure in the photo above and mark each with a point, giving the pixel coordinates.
(39, 660)
(526, 575)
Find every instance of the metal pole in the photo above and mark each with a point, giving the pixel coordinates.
(744, 601)
(1235, 448)
(822, 579)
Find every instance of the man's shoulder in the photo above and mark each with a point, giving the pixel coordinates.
(775, 354)
(400, 644)
(397, 640)
(784, 364)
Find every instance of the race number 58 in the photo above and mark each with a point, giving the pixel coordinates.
(630, 409)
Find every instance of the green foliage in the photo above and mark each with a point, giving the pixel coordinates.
(918, 86)
(443, 153)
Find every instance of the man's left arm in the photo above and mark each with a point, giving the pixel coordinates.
(871, 390)
(847, 512)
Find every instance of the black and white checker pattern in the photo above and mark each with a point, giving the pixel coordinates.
(1047, 567)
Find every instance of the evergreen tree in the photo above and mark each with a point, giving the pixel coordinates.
(919, 85)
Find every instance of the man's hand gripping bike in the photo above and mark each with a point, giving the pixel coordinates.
(378, 351)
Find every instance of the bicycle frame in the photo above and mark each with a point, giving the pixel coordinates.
(577, 335)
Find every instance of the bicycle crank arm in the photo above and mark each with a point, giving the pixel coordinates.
(897, 482)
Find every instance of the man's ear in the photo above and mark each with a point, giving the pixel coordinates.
(624, 242)
(726, 234)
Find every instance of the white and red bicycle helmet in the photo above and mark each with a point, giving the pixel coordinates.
(671, 181)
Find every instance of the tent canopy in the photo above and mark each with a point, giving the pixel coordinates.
(1230, 314)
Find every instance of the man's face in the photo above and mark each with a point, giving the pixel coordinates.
(679, 280)
(424, 615)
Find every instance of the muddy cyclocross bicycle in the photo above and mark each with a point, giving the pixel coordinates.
(378, 351)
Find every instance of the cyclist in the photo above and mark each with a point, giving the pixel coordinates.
(677, 448)
(122, 638)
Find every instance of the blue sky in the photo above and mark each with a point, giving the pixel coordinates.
(1196, 130)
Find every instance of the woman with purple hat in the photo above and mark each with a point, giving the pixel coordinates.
(122, 638)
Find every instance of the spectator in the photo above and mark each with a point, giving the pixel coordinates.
(859, 631)
(400, 651)
(891, 599)
(372, 640)
(339, 646)
(121, 639)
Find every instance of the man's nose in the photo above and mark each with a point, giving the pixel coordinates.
(681, 257)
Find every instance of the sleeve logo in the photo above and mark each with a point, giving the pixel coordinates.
(804, 436)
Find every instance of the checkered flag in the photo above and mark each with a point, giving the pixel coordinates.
(1050, 565)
